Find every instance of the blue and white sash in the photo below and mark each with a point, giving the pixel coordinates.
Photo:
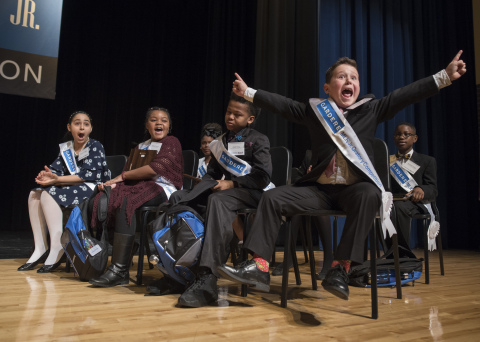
(68, 154)
(407, 182)
(231, 163)
(346, 139)
(202, 169)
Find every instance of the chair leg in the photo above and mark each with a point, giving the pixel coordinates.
(373, 266)
(308, 233)
(335, 232)
(294, 260)
(301, 233)
(233, 254)
(147, 246)
(425, 251)
(286, 261)
(440, 253)
(141, 249)
(397, 266)
(246, 227)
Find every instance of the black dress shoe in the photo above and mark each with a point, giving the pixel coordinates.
(278, 270)
(246, 273)
(51, 268)
(201, 293)
(30, 265)
(336, 282)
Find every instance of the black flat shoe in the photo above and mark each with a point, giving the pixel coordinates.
(51, 268)
(30, 265)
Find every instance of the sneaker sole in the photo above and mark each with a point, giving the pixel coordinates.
(123, 282)
(195, 305)
(256, 284)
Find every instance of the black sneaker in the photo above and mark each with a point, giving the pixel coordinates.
(336, 282)
(246, 273)
(278, 270)
(164, 286)
(201, 293)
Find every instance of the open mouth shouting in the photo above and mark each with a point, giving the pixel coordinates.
(347, 93)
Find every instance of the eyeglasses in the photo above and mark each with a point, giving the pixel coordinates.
(406, 135)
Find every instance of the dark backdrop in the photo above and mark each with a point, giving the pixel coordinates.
(116, 60)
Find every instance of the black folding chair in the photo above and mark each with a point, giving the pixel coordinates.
(381, 164)
(281, 175)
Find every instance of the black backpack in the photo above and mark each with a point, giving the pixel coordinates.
(410, 270)
(87, 255)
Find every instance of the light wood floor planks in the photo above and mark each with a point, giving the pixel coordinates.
(58, 307)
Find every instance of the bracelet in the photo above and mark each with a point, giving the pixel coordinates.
(123, 175)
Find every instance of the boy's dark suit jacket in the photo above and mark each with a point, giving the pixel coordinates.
(363, 119)
(257, 154)
(426, 177)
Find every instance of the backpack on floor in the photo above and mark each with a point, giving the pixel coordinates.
(178, 236)
(178, 233)
(87, 255)
(410, 270)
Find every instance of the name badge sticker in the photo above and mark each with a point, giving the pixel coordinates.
(236, 148)
(410, 167)
(155, 146)
(84, 153)
(95, 250)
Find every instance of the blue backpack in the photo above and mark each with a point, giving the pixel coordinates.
(178, 236)
(87, 255)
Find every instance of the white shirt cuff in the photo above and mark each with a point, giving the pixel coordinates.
(441, 79)
(249, 94)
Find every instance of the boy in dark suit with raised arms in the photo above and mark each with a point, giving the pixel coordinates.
(342, 131)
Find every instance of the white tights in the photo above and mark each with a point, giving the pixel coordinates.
(44, 211)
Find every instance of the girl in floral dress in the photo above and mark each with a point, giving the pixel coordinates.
(63, 185)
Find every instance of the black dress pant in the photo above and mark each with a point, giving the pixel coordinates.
(404, 211)
(360, 201)
(221, 211)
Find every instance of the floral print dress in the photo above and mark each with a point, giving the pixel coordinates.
(93, 169)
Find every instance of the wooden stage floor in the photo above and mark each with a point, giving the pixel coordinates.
(58, 307)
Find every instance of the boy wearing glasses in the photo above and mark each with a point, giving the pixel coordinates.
(423, 170)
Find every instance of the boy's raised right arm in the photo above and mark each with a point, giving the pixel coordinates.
(289, 109)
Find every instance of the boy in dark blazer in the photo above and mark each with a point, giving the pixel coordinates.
(228, 193)
(334, 181)
(425, 176)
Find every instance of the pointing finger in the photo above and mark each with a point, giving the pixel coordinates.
(457, 57)
(238, 77)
